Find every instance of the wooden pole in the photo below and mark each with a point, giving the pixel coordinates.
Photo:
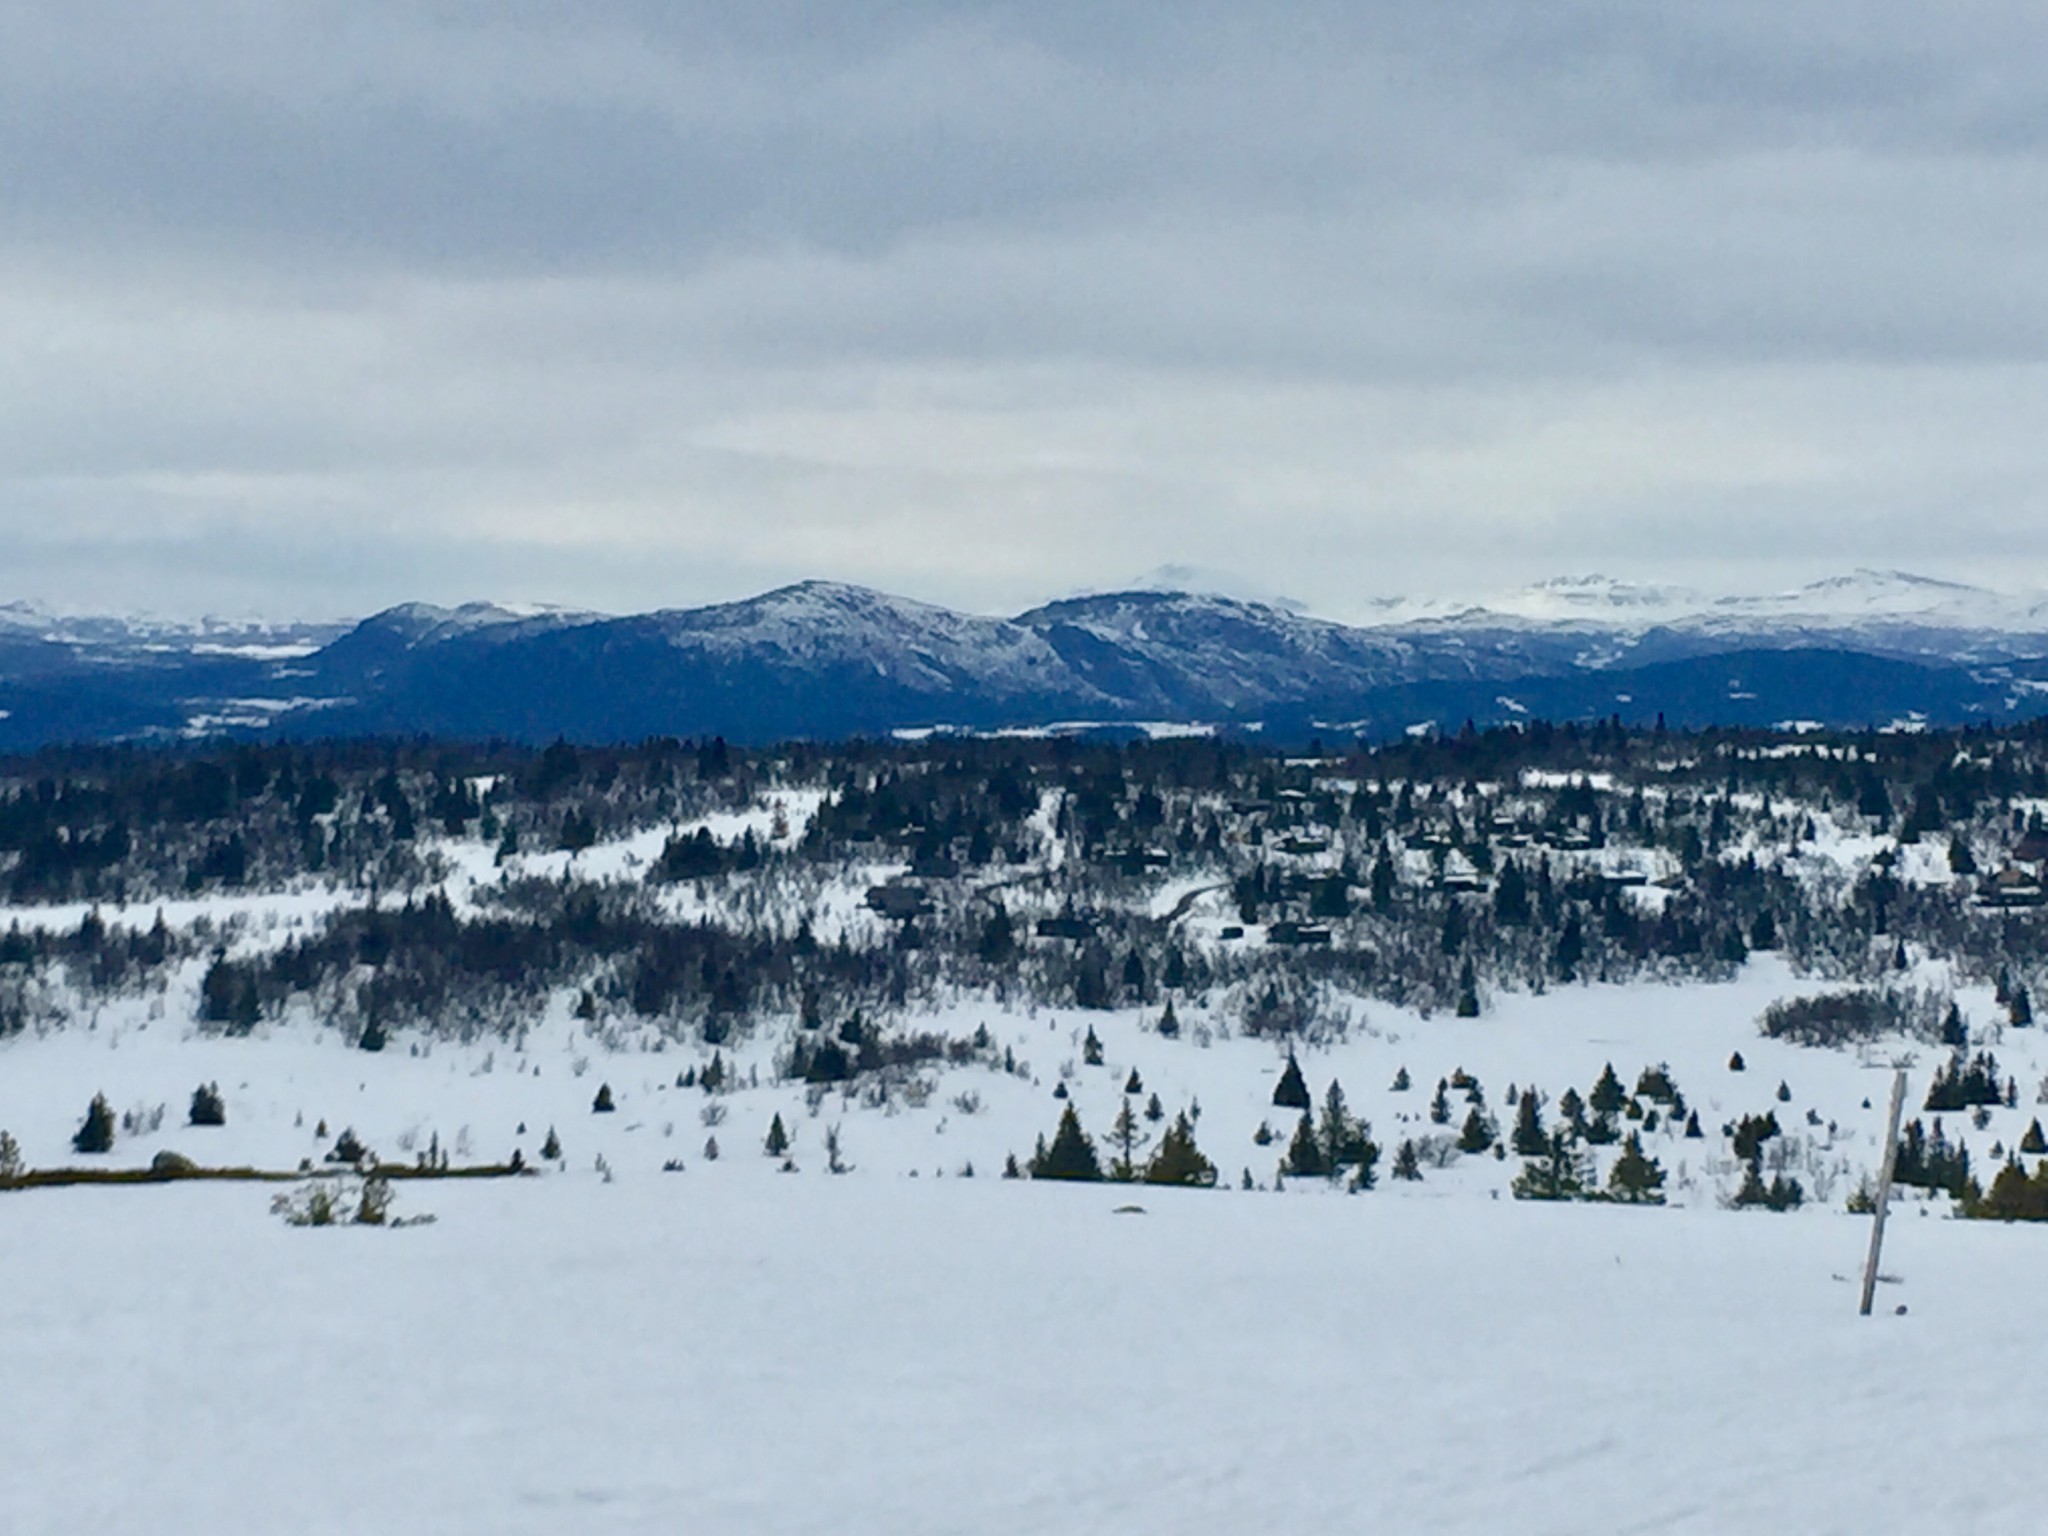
(1884, 1191)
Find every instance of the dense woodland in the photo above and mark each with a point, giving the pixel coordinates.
(1431, 873)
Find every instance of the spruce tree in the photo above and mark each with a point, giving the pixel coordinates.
(1091, 1049)
(1608, 1095)
(1179, 1160)
(1477, 1134)
(2033, 1141)
(1636, 1179)
(778, 1138)
(1407, 1162)
(1559, 1174)
(551, 1149)
(1440, 1106)
(1154, 1110)
(97, 1133)
(208, 1107)
(1339, 1132)
(1128, 1137)
(1071, 1155)
(1529, 1137)
(602, 1104)
(1291, 1092)
(1401, 1081)
(1305, 1155)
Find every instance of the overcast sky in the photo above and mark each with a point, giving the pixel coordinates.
(309, 308)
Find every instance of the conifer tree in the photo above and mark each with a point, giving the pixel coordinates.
(97, 1133)
(1608, 1095)
(1129, 1138)
(2033, 1141)
(551, 1149)
(1179, 1160)
(1339, 1132)
(1091, 1049)
(1401, 1081)
(1156, 1111)
(1134, 1083)
(1636, 1179)
(602, 1104)
(1530, 1139)
(1305, 1154)
(208, 1107)
(1407, 1163)
(1440, 1106)
(1477, 1134)
(778, 1138)
(1071, 1155)
(1169, 1022)
(1559, 1174)
(1291, 1092)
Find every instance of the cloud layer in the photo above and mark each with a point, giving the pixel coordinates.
(310, 307)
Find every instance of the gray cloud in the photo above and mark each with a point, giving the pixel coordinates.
(310, 307)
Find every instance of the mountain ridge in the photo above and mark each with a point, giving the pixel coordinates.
(829, 659)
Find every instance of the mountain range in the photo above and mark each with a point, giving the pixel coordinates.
(823, 659)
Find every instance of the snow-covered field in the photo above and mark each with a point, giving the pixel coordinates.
(688, 1354)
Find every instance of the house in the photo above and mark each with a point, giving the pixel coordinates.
(1291, 932)
(900, 900)
(2011, 887)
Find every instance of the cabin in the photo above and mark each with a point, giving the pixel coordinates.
(1293, 933)
(899, 900)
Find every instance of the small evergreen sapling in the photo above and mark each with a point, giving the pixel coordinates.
(778, 1138)
(551, 1149)
(602, 1104)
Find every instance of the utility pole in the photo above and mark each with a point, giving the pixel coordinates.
(1884, 1190)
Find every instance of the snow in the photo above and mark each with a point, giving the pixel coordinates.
(801, 1354)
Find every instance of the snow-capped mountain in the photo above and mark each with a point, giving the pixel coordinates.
(823, 659)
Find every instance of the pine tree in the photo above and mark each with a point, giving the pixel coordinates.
(1071, 1155)
(1636, 1179)
(2020, 1011)
(1128, 1137)
(1134, 1083)
(1291, 1092)
(1468, 992)
(1156, 1111)
(1477, 1134)
(1559, 1174)
(97, 1133)
(1179, 1160)
(1440, 1106)
(1401, 1081)
(1305, 1155)
(1091, 1049)
(778, 1139)
(1339, 1133)
(1169, 1022)
(208, 1107)
(1608, 1095)
(551, 1149)
(1529, 1138)
(602, 1104)
(1407, 1163)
